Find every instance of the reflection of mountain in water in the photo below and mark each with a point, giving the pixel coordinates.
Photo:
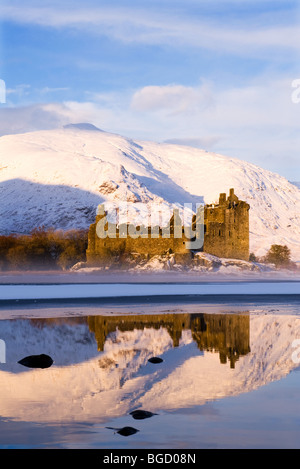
(88, 384)
(227, 334)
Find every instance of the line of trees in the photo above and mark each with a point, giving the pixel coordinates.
(43, 250)
(278, 255)
(56, 249)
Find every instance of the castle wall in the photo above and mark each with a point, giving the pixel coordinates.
(103, 249)
(227, 228)
(226, 235)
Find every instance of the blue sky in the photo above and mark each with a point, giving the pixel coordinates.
(211, 73)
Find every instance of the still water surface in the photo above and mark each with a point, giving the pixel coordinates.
(229, 378)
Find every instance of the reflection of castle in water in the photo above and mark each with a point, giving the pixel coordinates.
(228, 334)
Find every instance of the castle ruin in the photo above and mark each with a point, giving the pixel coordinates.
(226, 228)
(221, 229)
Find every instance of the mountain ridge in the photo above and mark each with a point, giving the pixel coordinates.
(57, 178)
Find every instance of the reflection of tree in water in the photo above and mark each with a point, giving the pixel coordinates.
(228, 334)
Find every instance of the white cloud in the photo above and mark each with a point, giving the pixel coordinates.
(161, 26)
(20, 90)
(257, 122)
(14, 120)
(262, 104)
(208, 142)
(47, 90)
(33, 117)
(172, 98)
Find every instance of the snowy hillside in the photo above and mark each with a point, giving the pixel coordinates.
(57, 178)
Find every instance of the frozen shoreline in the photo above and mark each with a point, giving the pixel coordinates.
(134, 290)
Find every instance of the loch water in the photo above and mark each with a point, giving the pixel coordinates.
(228, 376)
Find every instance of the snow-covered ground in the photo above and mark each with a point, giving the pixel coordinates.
(57, 178)
(202, 264)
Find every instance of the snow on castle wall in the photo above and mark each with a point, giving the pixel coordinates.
(221, 230)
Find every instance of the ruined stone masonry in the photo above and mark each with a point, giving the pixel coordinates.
(226, 234)
(226, 228)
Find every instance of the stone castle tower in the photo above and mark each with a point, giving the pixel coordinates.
(226, 234)
(226, 228)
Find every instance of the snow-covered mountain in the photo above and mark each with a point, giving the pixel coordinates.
(57, 178)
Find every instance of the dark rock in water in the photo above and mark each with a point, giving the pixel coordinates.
(125, 431)
(155, 360)
(141, 414)
(37, 361)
